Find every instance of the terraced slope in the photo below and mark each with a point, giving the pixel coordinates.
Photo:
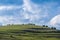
(28, 32)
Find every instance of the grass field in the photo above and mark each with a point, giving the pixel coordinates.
(28, 32)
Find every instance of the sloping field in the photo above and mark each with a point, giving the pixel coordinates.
(28, 32)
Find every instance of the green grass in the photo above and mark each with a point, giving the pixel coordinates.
(18, 32)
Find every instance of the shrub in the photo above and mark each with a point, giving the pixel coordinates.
(43, 25)
(46, 26)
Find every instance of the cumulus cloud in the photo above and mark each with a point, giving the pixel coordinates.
(55, 21)
(33, 11)
(4, 20)
(28, 12)
(30, 7)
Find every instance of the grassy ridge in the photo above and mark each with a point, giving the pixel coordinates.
(28, 32)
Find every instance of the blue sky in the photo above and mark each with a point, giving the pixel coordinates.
(30, 11)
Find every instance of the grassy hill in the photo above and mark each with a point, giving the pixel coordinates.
(28, 32)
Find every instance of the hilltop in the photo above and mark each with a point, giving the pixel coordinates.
(29, 32)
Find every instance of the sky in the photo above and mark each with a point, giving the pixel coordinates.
(39, 12)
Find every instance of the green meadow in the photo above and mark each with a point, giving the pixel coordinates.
(28, 32)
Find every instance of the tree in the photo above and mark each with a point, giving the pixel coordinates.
(46, 26)
(53, 28)
(43, 25)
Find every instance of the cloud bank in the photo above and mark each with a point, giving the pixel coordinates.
(44, 12)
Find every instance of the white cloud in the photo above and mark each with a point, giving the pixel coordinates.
(8, 7)
(31, 7)
(55, 21)
(29, 10)
(33, 11)
(4, 20)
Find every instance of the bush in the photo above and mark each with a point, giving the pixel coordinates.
(46, 26)
(53, 28)
(43, 25)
